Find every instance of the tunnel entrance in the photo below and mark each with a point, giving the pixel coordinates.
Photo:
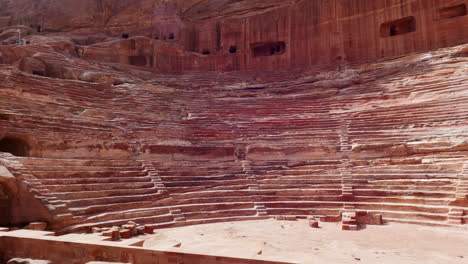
(15, 146)
(398, 27)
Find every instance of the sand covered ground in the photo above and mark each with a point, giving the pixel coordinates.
(295, 241)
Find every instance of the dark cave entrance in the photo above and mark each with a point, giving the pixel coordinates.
(268, 48)
(398, 27)
(14, 146)
(125, 36)
(233, 49)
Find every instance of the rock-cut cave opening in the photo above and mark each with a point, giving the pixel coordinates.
(4, 207)
(233, 49)
(398, 27)
(15, 146)
(453, 11)
(268, 48)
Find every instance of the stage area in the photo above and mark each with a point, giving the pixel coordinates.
(295, 241)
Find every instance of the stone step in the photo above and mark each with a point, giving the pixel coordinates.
(97, 187)
(418, 222)
(127, 214)
(403, 200)
(303, 211)
(91, 210)
(455, 222)
(421, 216)
(219, 213)
(225, 219)
(95, 180)
(166, 219)
(103, 193)
(112, 199)
(455, 214)
(193, 208)
(76, 162)
(416, 193)
(403, 207)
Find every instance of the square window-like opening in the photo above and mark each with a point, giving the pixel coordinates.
(171, 36)
(233, 49)
(452, 11)
(398, 27)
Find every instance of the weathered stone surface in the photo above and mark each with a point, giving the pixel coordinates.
(166, 127)
(28, 261)
(149, 229)
(38, 226)
(103, 262)
(204, 35)
(125, 233)
(96, 230)
(313, 223)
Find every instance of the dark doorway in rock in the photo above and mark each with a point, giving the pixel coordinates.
(15, 146)
(125, 36)
(233, 49)
(268, 48)
(453, 11)
(398, 27)
(206, 52)
(38, 28)
(38, 73)
(5, 209)
(137, 60)
(171, 36)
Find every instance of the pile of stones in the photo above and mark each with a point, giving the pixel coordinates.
(130, 229)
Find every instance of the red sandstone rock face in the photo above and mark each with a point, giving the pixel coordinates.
(251, 35)
(108, 137)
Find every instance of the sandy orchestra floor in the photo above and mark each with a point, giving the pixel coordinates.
(296, 242)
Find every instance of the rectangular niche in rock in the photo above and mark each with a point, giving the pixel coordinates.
(137, 60)
(398, 27)
(268, 48)
(452, 11)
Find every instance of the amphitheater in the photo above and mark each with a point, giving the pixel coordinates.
(224, 131)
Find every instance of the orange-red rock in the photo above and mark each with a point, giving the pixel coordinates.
(220, 111)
